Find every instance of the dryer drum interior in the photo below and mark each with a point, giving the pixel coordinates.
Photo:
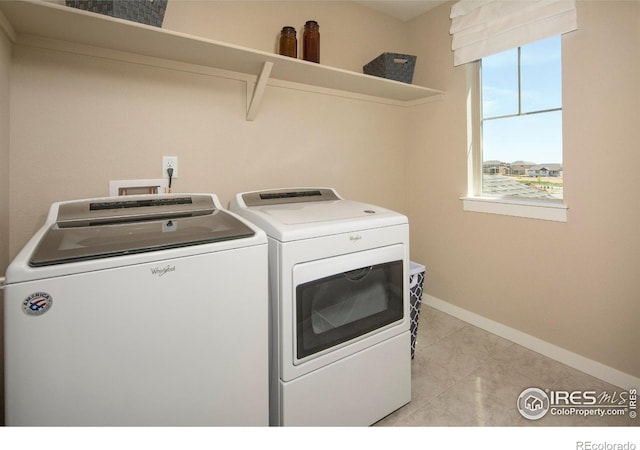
(341, 307)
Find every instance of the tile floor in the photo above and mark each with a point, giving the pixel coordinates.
(465, 376)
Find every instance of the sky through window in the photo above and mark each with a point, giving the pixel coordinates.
(526, 129)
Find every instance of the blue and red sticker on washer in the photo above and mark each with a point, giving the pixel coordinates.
(37, 304)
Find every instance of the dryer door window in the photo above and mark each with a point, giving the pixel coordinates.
(343, 306)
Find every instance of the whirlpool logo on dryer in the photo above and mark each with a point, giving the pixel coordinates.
(162, 271)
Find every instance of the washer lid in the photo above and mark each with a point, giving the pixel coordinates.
(121, 227)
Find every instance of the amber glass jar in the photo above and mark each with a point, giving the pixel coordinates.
(311, 42)
(288, 42)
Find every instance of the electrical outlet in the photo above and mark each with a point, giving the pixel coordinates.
(169, 162)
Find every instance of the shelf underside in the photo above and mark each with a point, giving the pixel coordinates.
(58, 22)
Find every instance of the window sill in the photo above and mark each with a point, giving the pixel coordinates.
(531, 209)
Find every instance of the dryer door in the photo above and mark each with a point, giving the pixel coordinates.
(347, 298)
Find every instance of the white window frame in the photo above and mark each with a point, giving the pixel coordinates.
(474, 201)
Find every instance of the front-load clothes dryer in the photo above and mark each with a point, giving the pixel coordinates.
(340, 327)
(138, 310)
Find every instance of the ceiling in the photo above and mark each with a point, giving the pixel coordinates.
(403, 10)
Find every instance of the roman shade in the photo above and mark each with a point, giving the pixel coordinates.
(483, 28)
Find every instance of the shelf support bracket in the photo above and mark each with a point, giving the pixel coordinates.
(258, 91)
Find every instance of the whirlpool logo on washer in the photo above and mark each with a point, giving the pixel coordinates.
(162, 271)
(355, 238)
(37, 304)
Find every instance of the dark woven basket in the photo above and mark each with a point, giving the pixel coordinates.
(394, 66)
(149, 12)
(416, 286)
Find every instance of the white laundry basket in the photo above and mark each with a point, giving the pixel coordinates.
(416, 283)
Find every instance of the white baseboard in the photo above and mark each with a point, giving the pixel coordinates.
(586, 365)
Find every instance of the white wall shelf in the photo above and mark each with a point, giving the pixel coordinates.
(31, 21)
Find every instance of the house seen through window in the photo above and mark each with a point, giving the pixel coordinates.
(521, 122)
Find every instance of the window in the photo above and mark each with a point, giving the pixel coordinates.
(517, 126)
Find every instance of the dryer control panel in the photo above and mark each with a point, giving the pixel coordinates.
(280, 196)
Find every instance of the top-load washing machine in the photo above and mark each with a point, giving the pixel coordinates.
(138, 310)
(340, 327)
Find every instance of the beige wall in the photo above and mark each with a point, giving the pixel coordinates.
(5, 65)
(351, 35)
(571, 284)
